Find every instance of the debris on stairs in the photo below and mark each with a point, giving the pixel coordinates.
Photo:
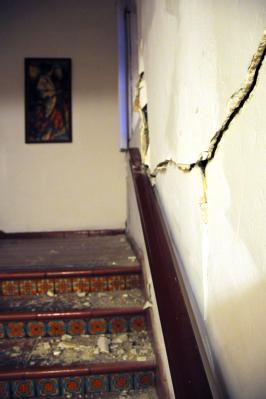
(72, 320)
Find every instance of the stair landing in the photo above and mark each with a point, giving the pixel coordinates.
(64, 253)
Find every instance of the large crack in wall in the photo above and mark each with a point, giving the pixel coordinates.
(236, 103)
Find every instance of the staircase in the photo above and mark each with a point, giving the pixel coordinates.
(72, 318)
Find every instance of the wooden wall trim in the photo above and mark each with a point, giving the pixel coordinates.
(61, 234)
(54, 272)
(185, 362)
(86, 369)
(72, 314)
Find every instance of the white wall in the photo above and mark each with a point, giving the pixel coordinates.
(195, 56)
(62, 186)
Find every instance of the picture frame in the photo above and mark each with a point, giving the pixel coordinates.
(48, 113)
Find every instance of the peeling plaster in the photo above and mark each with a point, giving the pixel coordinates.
(235, 104)
(141, 106)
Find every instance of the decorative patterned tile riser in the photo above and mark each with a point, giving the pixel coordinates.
(55, 328)
(49, 387)
(66, 285)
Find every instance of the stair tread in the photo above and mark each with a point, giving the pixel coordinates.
(72, 301)
(17, 353)
(66, 253)
(141, 394)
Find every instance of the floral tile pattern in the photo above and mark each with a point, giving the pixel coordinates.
(47, 387)
(36, 329)
(118, 325)
(63, 285)
(116, 283)
(97, 326)
(121, 382)
(57, 328)
(68, 386)
(72, 385)
(137, 323)
(67, 285)
(45, 285)
(76, 327)
(81, 284)
(23, 389)
(98, 284)
(10, 287)
(15, 329)
(27, 287)
(97, 383)
(144, 380)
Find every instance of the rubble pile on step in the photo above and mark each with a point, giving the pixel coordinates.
(65, 350)
(147, 394)
(80, 300)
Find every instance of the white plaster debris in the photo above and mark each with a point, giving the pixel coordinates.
(46, 345)
(119, 338)
(53, 252)
(50, 293)
(81, 294)
(132, 297)
(74, 349)
(103, 344)
(66, 337)
(149, 393)
(147, 305)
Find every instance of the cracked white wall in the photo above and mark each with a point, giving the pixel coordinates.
(62, 186)
(195, 56)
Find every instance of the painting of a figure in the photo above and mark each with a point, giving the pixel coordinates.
(48, 100)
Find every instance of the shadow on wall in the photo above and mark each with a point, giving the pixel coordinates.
(172, 7)
(148, 8)
(239, 331)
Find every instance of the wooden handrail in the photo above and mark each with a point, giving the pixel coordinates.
(185, 362)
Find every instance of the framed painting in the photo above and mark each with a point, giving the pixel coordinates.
(48, 100)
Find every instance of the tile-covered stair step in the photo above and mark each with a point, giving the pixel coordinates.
(85, 364)
(60, 266)
(74, 323)
(73, 314)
